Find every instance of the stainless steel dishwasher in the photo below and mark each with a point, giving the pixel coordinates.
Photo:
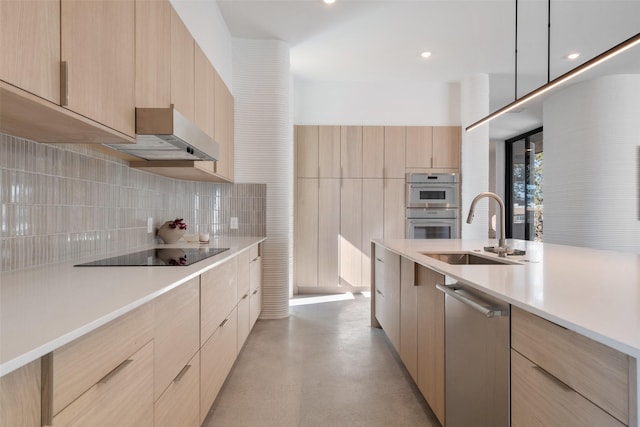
(476, 358)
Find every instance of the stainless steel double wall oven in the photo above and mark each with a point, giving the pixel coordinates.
(432, 206)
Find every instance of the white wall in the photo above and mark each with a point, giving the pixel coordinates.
(373, 103)
(592, 164)
(208, 28)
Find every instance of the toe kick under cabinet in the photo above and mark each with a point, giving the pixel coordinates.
(162, 364)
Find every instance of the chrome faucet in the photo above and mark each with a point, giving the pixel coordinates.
(501, 250)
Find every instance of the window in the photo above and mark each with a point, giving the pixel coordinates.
(524, 179)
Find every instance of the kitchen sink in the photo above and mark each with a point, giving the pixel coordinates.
(467, 258)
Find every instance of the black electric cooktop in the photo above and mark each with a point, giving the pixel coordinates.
(157, 258)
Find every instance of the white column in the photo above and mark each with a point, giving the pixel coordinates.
(264, 154)
(474, 104)
(592, 164)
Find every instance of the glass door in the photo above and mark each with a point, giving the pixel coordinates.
(524, 178)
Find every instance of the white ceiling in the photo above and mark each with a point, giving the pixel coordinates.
(368, 40)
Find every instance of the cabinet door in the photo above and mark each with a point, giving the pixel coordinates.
(179, 404)
(431, 340)
(306, 232)
(419, 147)
(328, 232)
(409, 317)
(176, 332)
(98, 45)
(351, 232)
(538, 399)
(351, 151)
(372, 222)
(387, 270)
(153, 53)
(122, 398)
(223, 127)
(394, 151)
(218, 296)
(372, 151)
(244, 320)
(31, 28)
(329, 151)
(394, 210)
(307, 151)
(182, 67)
(217, 356)
(255, 302)
(446, 147)
(204, 99)
(20, 403)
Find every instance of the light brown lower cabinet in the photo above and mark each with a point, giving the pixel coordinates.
(123, 398)
(539, 399)
(218, 295)
(20, 403)
(216, 359)
(244, 319)
(387, 293)
(179, 404)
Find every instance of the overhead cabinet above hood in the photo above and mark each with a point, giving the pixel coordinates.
(165, 134)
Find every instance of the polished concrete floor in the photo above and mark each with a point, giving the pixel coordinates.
(322, 366)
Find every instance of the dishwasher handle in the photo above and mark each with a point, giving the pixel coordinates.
(450, 290)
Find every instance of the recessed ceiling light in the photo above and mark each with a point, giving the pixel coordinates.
(425, 54)
(329, 1)
(572, 56)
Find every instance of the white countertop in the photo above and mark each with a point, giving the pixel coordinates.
(43, 308)
(595, 293)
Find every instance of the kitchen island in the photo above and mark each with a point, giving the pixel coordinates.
(592, 294)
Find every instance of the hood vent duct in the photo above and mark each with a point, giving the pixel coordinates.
(165, 134)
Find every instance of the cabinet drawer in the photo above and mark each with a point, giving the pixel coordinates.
(244, 320)
(124, 397)
(537, 399)
(20, 397)
(179, 404)
(598, 372)
(244, 274)
(176, 332)
(218, 296)
(254, 251)
(217, 356)
(255, 306)
(79, 365)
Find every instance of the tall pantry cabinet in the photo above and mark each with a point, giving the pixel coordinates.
(350, 189)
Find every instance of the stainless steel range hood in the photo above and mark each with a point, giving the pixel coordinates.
(165, 134)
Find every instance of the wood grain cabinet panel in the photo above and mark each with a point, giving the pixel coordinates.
(431, 340)
(153, 53)
(182, 67)
(446, 147)
(372, 222)
(20, 403)
(30, 30)
(306, 232)
(394, 209)
(176, 332)
(329, 232)
(307, 151)
(372, 151)
(538, 399)
(387, 270)
(217, 356)
(244, 320)
(204, 96)
(351, 232)
(409, 317)
(179, 405)
(123, 398)
(218, 296)
(98, 45)
(255, 272)
(394, 151)
(598, 372)
(224, 132)
(351, 151)
(329, 151)
(419, 147)
(80, 364)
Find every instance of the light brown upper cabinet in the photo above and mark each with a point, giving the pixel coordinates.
(351, 151)
(436, 147)
(446, 147)
(224, 128)
(182, 67)
(329, 151)
(419, 147)
(372, 151)
(30, 46)
(394, 151)
(205, 81)
(307, 151)
(98, 56)
(153, 54)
